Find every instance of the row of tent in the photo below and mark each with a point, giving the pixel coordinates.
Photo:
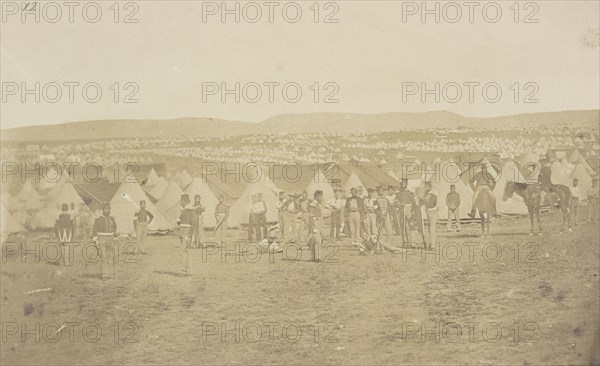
(31, 209)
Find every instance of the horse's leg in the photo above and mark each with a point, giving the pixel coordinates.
(481, 217)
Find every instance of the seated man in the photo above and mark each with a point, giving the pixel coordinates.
(482, 181)
(544, 185)
(269, 244)
(372, 243)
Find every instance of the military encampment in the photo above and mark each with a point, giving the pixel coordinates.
(300, 183)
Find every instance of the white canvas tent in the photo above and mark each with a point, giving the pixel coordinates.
(28, 198)
(184, 179)
(354, 182)
(9, 224)
(64, 178)
(50, 178)
(449, 174)
(169, 204)
(209, 200)
(239, 210)
(46, 217)
(559, 174)
(319, 183)
(157, 191)
(126, 202)
(152, 178)
(585, 180)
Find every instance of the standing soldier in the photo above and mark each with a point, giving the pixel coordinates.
(336, 204)
(75, 219)
(221, 216)
(429, 200)
(198, 226)
(254, 218)
(305, 217)
(406, 201)
(291, 215)
(185, 222)
(383, 218)
(361, 192)
(370, 216)
(575, 198)
(355, 211)
(393, 209)
(141, 220)
(103, 235)
(316, 217)
(63, 228)
(262, 217)
(281, 203)
(482, 181)
(453, 203)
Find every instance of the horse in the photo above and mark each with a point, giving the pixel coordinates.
(558, 193)
(486, 205)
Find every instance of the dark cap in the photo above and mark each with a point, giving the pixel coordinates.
(64, 207)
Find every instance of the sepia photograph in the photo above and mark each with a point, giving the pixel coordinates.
(308, 182)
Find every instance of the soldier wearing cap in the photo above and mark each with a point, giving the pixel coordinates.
(480, 182)
(63, 228)
(185, 222)
(103, 234)
(406, 202)
(544, 179)
(355, 211)
(453, 204)
(198, 226)
(428, 199)
(254, 212)
(262, 217)
(281, 206)
(336, 204)
(393, 209)
(316, 217)
(383, 218)
(221, 216)
(305, 222)
(370, 219)
(291, 217)
(141, 220)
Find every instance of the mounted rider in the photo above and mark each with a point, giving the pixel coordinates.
(482, 181)
(544, 180)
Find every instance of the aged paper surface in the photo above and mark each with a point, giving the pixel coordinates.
(300, 182)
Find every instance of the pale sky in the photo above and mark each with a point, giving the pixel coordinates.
(368, 54)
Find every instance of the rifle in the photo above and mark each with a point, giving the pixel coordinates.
(218, 224)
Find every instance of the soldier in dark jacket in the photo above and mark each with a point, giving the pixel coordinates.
(185, 222)
(64, 227)
(104, 234)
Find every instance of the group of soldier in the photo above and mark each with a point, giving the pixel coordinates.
(358, 215)
(370, 219)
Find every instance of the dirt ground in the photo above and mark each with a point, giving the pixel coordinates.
(511, 299)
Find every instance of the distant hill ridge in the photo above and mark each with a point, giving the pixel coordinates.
(290, 123)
